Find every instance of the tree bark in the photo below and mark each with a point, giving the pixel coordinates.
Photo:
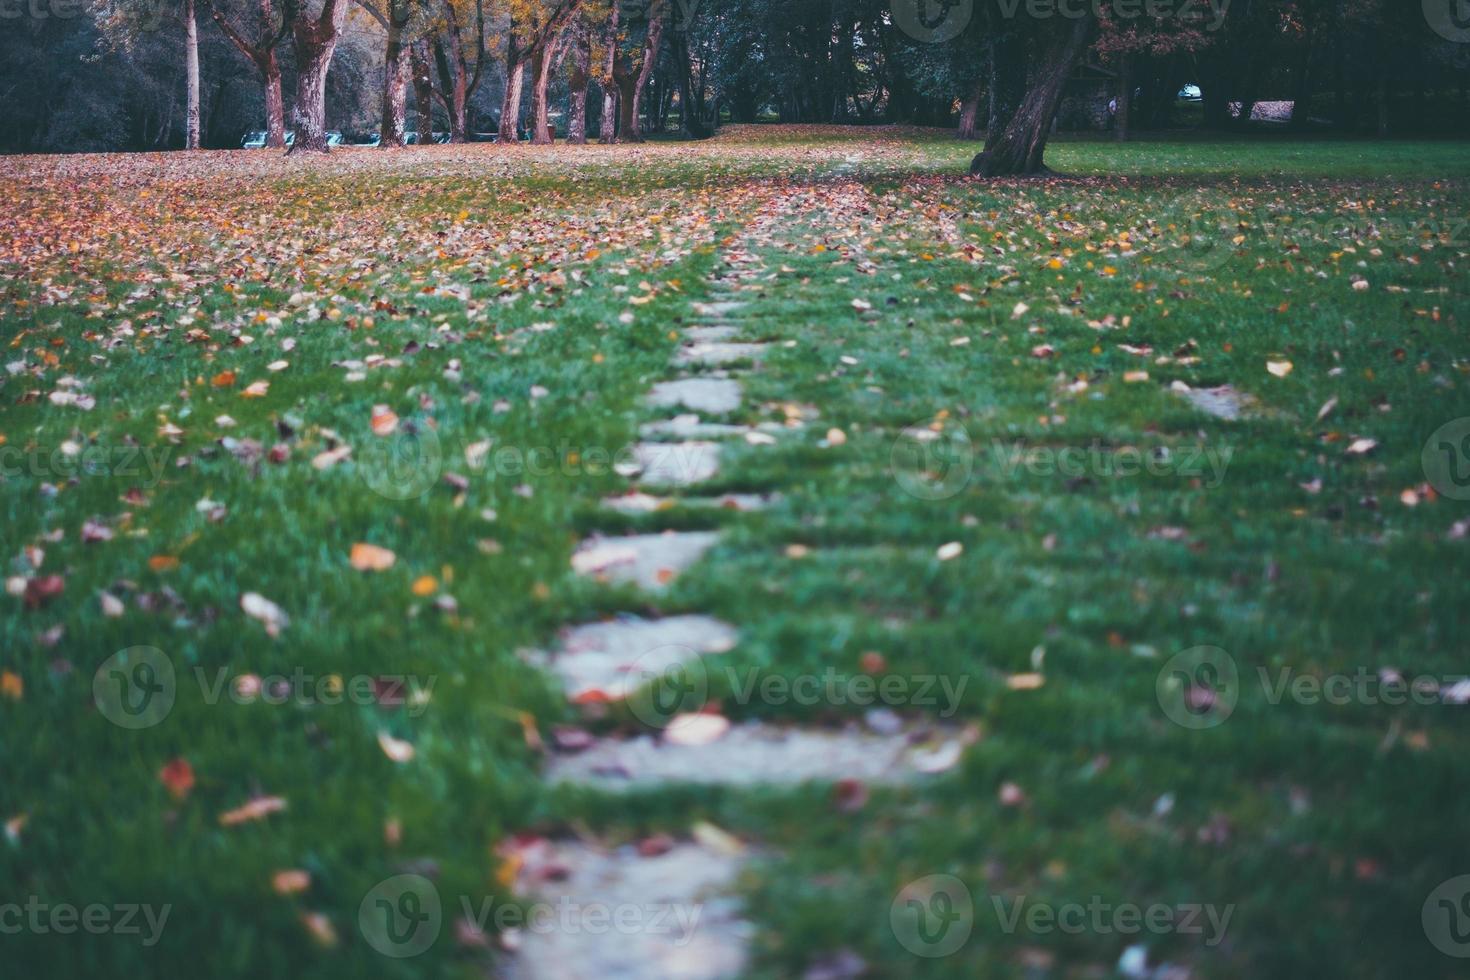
(633, 97)
(1019, 148)
(581, 75)
(969, 127)
(262, 53)
(1007, 78)
(691, 105)
(510, 106)
(191, 73)
(541, 66)
(608, 128)
(1125, 98)
(423, 91)
(395, 77)
(315, 41)
(275, 105)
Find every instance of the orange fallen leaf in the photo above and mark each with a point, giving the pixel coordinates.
(256, 809)
(290, 881)
(163, 563)
(12, 686)
(371, 558)
(223, 380)
(425, 585)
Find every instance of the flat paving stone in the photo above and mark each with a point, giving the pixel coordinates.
(757, 753)
(686, 923)
(722, 308)
(643, 503)
(690, 427)
(713, 396)
(616, 658)
(1223, 402)
(710, 334)
(676, 464)
(719, 353)
(650, 561)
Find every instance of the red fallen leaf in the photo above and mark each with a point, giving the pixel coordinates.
(223, 380)
(42, 589)
(850, 795)
(872, 662)
(178, 776)
(654, 846)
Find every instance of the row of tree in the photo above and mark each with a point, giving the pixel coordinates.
(998, 69)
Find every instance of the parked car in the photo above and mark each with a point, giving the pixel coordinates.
(412, 139)
(255, 139)
(371, 139)
(1190, 93)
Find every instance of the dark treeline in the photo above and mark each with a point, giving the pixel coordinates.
(160, 74)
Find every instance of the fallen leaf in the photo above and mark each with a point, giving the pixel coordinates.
(291, 881)
(258, 607)
(395, 748)
(257, 809)
(371, 558)
(178, 777)
(1279, 368)
(696, 729)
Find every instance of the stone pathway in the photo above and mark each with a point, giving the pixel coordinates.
(611, 661)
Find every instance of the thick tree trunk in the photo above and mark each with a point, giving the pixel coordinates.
(691, 105)
(541, 66)
(395, 82)
(315, 42)
(510, 106)
(423, 92)
(608, 128)
(1019, 148)
(275, 104)
(191, 74)
(1301, 89)
(969, 127)
(1125, 98)
(581, 75)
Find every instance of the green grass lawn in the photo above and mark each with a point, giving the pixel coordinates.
(526, 298)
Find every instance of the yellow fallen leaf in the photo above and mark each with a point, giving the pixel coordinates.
(1279, 368)
(1025, 682)
(11, 685)
(425, 585)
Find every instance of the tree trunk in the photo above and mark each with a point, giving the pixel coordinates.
(1125, 98)
(1019, 148)
(315, 42)
(608, 128)
(275, 105)
(580, 78)
(969, 128)
(395, 82)
(1300, 87)
(633, 100)
(510, 106)
(423, 92)
(191, 73)
(541, 66)
(691, 105)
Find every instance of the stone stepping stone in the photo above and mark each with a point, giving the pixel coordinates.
(718, 353)
(612, 660)
(718, 309)
(1223, 402)
(686, 921)
(690, 427)
(642, 503)
(710, 334)
(713, 396)
(757, 753)
(675, 464)
(650, 561)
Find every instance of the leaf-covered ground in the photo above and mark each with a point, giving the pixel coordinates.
(321, 438)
